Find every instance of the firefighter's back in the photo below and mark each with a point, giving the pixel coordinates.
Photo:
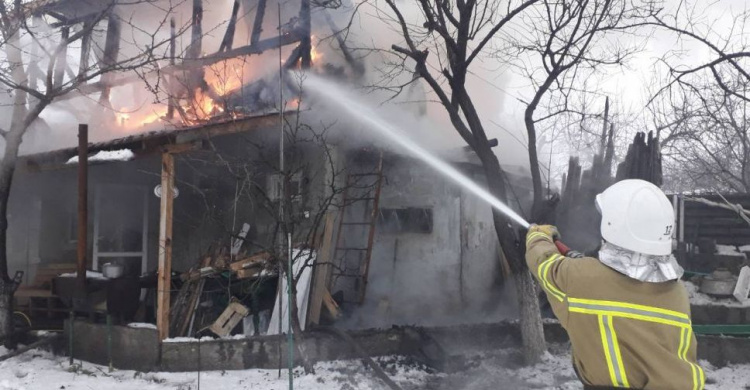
(629, 333)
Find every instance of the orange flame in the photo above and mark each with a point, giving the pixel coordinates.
(314, 53)
(226, 76)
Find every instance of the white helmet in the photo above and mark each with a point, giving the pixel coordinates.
(637, 216)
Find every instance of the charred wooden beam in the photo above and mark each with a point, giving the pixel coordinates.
(260, 13)
(195, 75)
(109, 56)
(609, 155)
(228, 41)
(305, 34)
(62, 57)
(294, 56)
(196, 42)
(260, 47)
(605, 127)
(172, 51)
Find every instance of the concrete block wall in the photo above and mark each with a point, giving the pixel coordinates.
(139, 349)
(725, 315)
(132, 348)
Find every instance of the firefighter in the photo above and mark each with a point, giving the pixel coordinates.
(627, 313)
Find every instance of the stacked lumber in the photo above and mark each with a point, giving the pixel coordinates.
(182, 313)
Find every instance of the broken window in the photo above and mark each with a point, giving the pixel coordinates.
(405, 220)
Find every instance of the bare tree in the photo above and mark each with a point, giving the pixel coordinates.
(705, 135)
(568, 43)
(700, 112)
(563, 38)
(724, 37)
(42, 75)
(459, 34)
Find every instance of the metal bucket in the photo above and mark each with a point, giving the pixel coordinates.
(112, 271)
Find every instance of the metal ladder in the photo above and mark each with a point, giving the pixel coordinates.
(352, 262)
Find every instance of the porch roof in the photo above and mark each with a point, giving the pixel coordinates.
(157, 141)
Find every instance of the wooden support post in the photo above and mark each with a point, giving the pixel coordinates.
(228, 41)
(62, 57)
(165, 245)
(322, 270)
(260, 13)
(83, 169)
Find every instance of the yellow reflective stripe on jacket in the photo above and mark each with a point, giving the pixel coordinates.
(543, 271)
(698, 376)
(536, 235)
(629, 310)
(606, 310)
(612, 352)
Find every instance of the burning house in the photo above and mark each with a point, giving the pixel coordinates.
(346, 201)
(180, 213)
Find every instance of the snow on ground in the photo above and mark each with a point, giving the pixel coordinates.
(701, 299)
(40, 370)
(497, 370)
(730, 250)
(141, 325)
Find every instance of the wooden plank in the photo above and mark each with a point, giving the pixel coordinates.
(331, 306)
(249, 272)
(260, 12)
(232, 315)
(239, 240)
(321, 271)
(165, 246)
(254, 260)
(228, 41)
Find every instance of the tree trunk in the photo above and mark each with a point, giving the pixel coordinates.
(298, 337)
(532, 332)
(6, 313)
(7, 167)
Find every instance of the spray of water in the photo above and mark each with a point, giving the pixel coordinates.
(363, 113)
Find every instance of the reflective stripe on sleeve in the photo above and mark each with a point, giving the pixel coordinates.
(535, 235)
(697, 371)
(543, 271)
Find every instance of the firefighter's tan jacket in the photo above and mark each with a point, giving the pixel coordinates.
(624, 332)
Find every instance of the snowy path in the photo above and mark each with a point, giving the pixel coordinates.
(37, 370)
